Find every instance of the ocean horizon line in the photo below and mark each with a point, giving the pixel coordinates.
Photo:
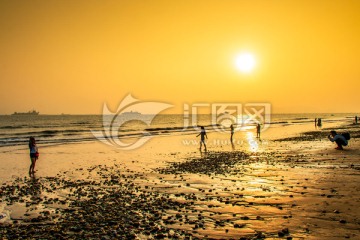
(95, 114)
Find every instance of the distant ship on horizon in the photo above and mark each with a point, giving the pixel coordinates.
(33, 113)
(131, 114)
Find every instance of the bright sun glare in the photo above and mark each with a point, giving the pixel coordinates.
(245, 62)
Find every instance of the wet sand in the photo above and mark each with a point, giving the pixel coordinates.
(297, 187)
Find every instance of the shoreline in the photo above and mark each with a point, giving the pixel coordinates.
(300, 189)
(57, 130)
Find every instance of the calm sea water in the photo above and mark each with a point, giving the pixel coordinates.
(59, 129)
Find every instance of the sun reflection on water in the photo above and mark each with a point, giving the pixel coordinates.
(253, 144)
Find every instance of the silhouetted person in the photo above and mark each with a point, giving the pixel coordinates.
(231, 132)
(258, 128)
(339, 139)
(34, 154)
(319, 122)
(202, 135)
(356, 119)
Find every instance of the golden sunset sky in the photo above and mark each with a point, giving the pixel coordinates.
(73, 56)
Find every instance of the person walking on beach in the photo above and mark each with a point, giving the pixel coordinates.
(202, 135)
(356, 119)
(339, 139)
(231, 132)
(258, 128)
(34, 154)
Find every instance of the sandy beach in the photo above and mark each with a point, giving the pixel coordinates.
(292, 184)
(118, 95)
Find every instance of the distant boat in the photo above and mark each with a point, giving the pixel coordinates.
(131, 113)
(33, 113)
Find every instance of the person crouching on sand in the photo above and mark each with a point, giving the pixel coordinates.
(339, 139)
(33, 154)
(203, 135)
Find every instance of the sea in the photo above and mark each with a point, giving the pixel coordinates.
(15, 130)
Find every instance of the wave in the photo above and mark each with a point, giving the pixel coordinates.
(12, 127)
(58, 130)
(180, 128)
(31, 126)
(80, 123)
(164, 128)
(301, 118)
(52, 132)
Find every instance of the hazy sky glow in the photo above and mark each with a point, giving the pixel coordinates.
(72, 56)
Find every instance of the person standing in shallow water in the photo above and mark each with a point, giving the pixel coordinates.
(33, 154)
(319, 124)
(231, 132)
(202, 135)
(258, 128)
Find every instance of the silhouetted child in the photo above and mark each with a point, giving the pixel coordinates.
(33, 154)
(202, 135)
(231, 132)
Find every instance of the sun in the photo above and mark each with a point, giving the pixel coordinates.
(245, 62)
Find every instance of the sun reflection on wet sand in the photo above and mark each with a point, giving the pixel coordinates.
(253, 144)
